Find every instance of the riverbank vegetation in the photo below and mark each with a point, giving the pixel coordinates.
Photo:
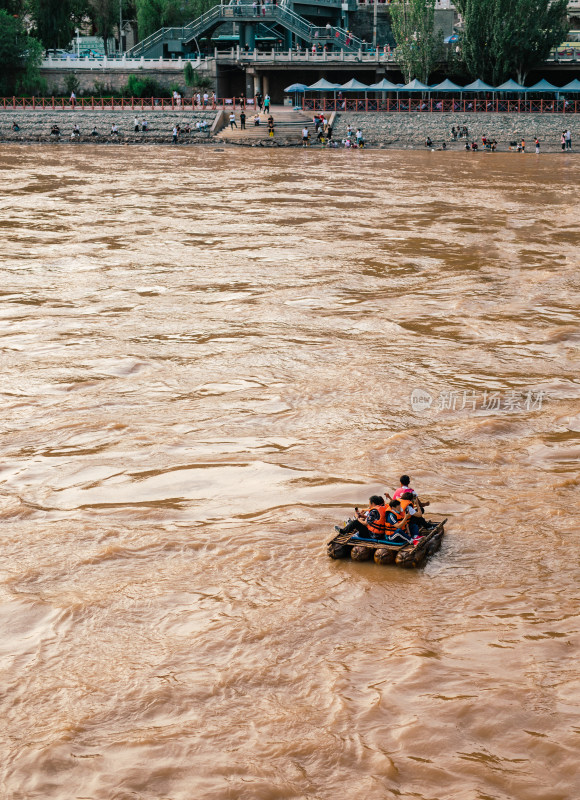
(499, 39)
(20, 57)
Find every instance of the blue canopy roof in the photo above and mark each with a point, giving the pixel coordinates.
(385, 86)
(478, 86)
(353, 86)
(542, 86)
(416, 86)
(573, 86)
(447, 86)
(324, 86)
(510, 86)
(296, 87)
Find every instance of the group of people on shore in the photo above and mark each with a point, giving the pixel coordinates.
(566, 140)
(256, 119)
(397, 520)
(139, 126)
(461, 132)
(198, 127)
(519, 146)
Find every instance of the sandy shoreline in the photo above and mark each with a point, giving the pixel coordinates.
(214, 143)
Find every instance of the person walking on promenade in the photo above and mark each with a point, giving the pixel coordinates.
(73, 100)
(266, 104)
(205, 99)
(233, 120)
(243, 120)
(568, 137)
(259, 99)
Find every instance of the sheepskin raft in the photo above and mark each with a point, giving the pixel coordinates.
(345, 545)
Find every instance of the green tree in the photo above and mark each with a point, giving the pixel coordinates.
(508, 38)
(144, 87)
(155, 14)
(54, 21)
(419, 45)
(105, 15)
(189, 74)
(20, 56)
(12, 6)
(151, 15)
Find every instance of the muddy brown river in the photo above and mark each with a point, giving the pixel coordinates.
(207, 359)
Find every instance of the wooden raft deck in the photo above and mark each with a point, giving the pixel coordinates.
(350, 544)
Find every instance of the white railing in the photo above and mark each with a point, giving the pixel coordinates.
(303, 56)
(107, 63)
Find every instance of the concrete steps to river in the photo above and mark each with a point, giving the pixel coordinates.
(288, 125)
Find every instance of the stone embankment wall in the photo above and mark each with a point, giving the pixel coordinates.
(409, 129)
(35, 125)
(92, 80)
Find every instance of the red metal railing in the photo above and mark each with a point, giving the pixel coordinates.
(127, 103)
(399, 104)
(434, 105)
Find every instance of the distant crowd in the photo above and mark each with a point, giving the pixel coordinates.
(517, 145)
(323, 133)
(139, 126)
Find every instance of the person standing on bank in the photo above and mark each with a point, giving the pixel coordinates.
(243, 120)
(537, 143)
(233, 120)
(568, 137)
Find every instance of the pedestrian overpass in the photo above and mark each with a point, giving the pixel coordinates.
(251, 21)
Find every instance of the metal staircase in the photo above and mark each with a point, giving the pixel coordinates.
(338, 38)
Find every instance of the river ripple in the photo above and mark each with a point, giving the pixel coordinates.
(207, 359)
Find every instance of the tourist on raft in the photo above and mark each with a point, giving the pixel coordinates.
(405, 487)
(380, 522)
(412, 507)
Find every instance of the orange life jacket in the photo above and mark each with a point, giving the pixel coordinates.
(389, 526)
(377, 526)
(405, 503)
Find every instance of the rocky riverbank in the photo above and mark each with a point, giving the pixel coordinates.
(35, 126)
(397, 131)
(402, 131)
